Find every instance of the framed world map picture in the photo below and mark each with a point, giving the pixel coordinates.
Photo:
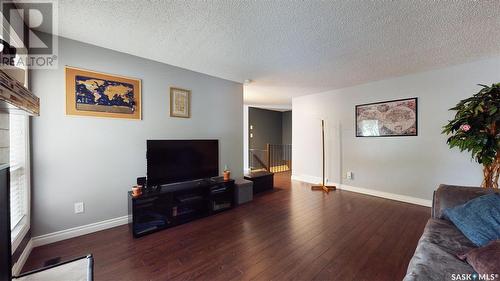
(90, 93)
(180, 102)
(387, 119)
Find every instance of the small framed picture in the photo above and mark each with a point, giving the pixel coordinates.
(180, 102)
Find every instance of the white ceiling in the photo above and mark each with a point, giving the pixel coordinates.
(291, 48)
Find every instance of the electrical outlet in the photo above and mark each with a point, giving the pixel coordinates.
(349, 175)
(79, 208)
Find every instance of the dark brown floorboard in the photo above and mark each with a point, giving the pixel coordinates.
(292, 233)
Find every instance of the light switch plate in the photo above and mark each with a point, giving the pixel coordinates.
(79, 208)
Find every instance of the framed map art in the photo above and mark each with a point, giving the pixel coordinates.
(387, 119)
(90, 93)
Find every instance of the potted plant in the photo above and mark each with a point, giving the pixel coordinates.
(227, 173)
(476, 129)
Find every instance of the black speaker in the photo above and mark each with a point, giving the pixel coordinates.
(142, 181)
(5, 246)
(7, 53)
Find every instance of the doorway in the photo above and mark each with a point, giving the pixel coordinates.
(269, 140)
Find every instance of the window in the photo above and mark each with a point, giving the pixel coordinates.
(19, 176)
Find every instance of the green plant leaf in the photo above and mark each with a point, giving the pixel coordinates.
(481, 112)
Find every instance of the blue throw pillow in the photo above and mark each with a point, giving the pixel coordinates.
(478, 219)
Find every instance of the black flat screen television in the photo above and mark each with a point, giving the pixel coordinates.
(170, 161)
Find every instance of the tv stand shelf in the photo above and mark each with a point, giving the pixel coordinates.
(174, 204)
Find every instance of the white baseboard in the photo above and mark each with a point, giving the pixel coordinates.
(306, 178)
(18, 266)
(387, 195)
(78, 231)
(367, 191)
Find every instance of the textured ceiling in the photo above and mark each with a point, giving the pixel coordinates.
(291, 48)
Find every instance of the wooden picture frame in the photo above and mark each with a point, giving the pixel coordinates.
(180, 102)
(97, 94)
(394, 118)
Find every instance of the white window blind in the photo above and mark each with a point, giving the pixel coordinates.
(18, 125)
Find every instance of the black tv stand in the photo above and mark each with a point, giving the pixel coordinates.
(178, 203)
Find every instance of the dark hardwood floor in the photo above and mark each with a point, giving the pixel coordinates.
(292, 233)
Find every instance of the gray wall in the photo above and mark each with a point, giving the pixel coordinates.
(412, 166)
(97, 160)
(266, 127)
(286, 126)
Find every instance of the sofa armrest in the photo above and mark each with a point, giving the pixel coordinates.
(447, 196)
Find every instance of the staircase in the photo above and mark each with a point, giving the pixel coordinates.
(275, 158)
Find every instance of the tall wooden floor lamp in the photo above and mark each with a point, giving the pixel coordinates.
(323, 186)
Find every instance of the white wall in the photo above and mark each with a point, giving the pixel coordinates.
(97, 160)
(411, 166)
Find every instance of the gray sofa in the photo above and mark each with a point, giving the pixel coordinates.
(436, 255)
